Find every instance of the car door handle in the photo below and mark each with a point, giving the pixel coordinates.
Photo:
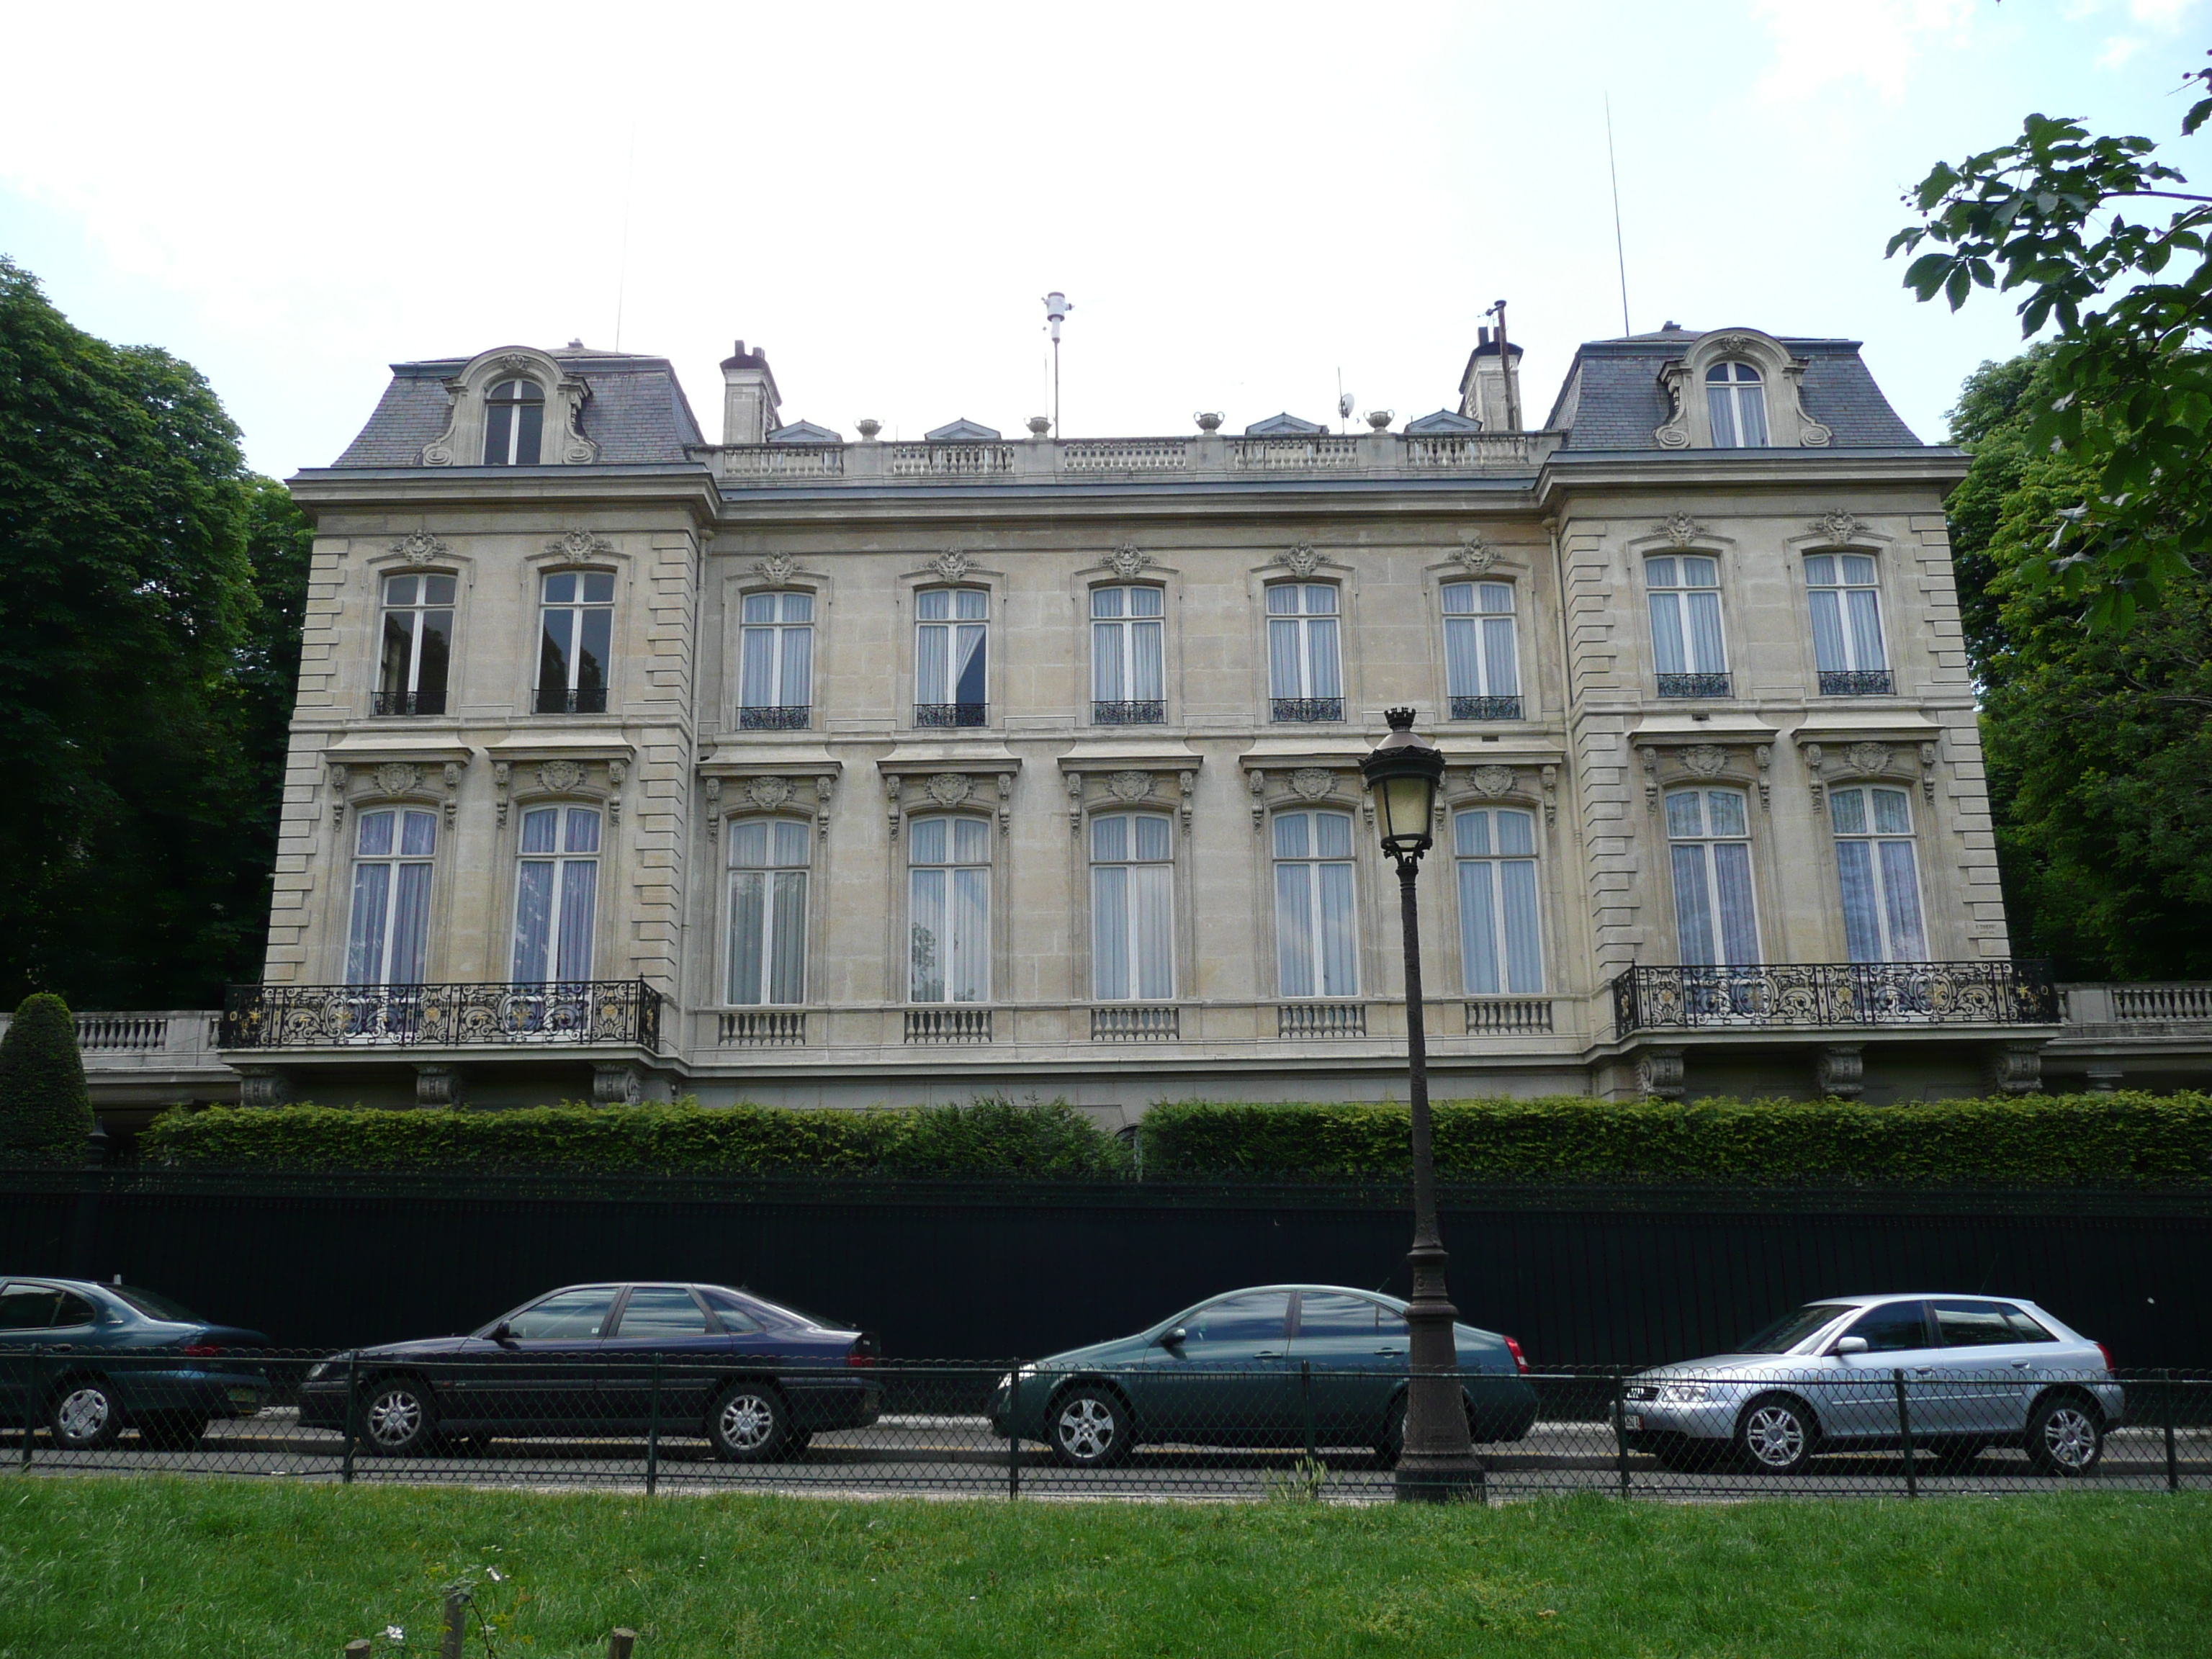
(1270, 1353)
(62, 1347)
(1923, 1370)
(2023, 1364)
(1390, 1351)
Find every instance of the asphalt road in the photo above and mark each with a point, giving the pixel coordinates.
(959, 1456)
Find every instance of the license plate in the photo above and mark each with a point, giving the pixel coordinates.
(247, 1397)
(1631, 1419)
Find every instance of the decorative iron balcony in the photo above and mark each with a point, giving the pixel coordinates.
(1835, 994)
(775, 717)
(1144, 711)
(1485, 709)
(1305, 709)
(625, 1012)
(949, 714)
(410, 702)
(1856, 682)
(584, 699)
(1693, 685)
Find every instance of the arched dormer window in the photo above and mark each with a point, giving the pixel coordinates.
(1735, 398)
(514, 423)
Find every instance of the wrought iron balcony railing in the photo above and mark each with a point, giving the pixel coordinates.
(949, 714)
(624, 1011)
(1485, 709)
(1143, 711)
(775, 717)
(410, 702)
(584, 700)
(1856, 682)
(1693, 685)
(1835, 994)
(1295, 710)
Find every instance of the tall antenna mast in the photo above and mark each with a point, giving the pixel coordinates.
(1506, 376)
(1056, 307)
(622, 260)
(1619, 249)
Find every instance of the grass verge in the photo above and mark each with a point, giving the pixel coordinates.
(153, 1568)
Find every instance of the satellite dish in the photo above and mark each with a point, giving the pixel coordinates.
(1344, 405)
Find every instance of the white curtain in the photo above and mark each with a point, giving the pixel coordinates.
(1862, 925)
(372, 896)
(1339, 968)
(1477, 934)
(1524, 954)
(1321, 658)
(1693, 915)
(1866, 627)
(748, 933)
(949, 910)
(1106, 683)
(932, 649)
(1462, 658)
(787, 961)
(1739, 919)
(579, 882)
(1828, 652)
(1148, 670)
(966, 979)
(756, 673)
(1283, 677)
(1666, 633)
(1706, 656)
(1901, 895)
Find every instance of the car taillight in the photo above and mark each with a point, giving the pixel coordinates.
(1519, 1358)
(2107, 1354)
(856, 1357)
(201, 1350)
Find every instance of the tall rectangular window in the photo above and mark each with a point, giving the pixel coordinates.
(1481, 673)
(1132, 909)
(1127, 671)
(951, 660)
(389, 936)
(776, 662)
(948, 914)
(1708, 835)
(1316, 931)
(1735, 404)
(1847, 624)
(768, 911)
(514, 416)
(1501, 947)
(1685, 591)
(555, 890)
(1882, 884)
(576, 639)
(418, 642)
(1304, 680)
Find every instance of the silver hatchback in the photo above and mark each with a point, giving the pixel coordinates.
(1957, 1374)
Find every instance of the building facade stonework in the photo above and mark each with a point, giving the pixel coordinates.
(816, 771)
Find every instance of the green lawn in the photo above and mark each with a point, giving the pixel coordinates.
(150, 1568)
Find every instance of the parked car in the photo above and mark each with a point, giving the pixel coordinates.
(756, 1378)
(1977, 1371)
(98, 1358)
(1244, 1369)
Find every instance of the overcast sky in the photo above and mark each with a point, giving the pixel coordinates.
(1242, 201)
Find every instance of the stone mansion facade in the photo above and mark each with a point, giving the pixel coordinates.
(810, 770)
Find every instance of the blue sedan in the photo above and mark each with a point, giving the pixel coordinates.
(96, 1360)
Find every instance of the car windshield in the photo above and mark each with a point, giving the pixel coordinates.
(156, 1307)
(1787, 1332)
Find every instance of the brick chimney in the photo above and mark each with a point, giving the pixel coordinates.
(1490, 391)
(750, 398)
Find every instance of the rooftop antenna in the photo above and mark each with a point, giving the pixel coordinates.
(1056, 307)
(1343, 403)
(622, 260)
(1619, 249)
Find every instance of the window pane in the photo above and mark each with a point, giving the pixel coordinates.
(749, 842)
(1892, 1329)
(410, 923)
(437, 649)
(1333, 834)
(968, 980)
(372, 891)
(1751, 413)
(797, 607)
(1459, 599)
(1659, 572)
(790, 842)
(400, 590)
(1866, 627)
(1462, 658)
(1320, 665)
(1152, 930)
(598, 586)
(533, 919)
(1685, 814)
(756, 669)
(1327, 1314)
(760, 607)
(1828, 652)
(788, 966)
(1862, 928)
(1110, 839)
(1151, 838)
(1820, 570)
(1147, 669)
(1693, 923)
(1706, 655)
(1524, 954)
(971, 841)
(593, 656)
(929, 841)
(1109, 932)
(1503, 679)
(537, 830)
(968, 672)
(1901, 892)
(1339, 966)
(1292, 830)
(1294, 938)
(1847, 810)
(661, 1311)
(933, 604)
(1972, 1325)
(932, 661)
(1892, 812)
(1666, 633)
(1320, 600)
(499, 419)
(1478, 944)
(574, 1315)
(553, 652)
(1739, 919)
(1471, 833)
(1284, 678)
(561, 587)
(418, 834)
(1858, 569)
(1106, 601)
(438, 589)
(529, 424)
(375, 834)
(1256, 1317)
(926, 950)
(1147, 602)
(1282, 601)
(748, 923)
(1720, 409)
(1106, 663)
(1498, 598)
(397, 661)
(970, 604)
(580, 881)
(1517, 832)
(1726, 812)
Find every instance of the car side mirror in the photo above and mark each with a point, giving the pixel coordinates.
(1850, 1345)
(1175, 1338)
(500, 1335)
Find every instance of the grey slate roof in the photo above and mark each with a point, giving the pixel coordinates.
(636, 412)
(1611, 397)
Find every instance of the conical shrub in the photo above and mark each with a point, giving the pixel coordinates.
(45, 1112)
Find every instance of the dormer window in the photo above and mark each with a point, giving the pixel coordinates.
(514, 418)
(1736, 400)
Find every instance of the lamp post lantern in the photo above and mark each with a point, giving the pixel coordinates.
(1437, 1461)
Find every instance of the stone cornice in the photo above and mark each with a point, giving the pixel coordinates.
(413, 489)
(1680, 472)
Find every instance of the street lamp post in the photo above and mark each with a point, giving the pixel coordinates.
(1438, 1462)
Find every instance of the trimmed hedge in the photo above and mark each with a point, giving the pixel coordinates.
(45, 1111)
(988, 1137)
(2043, 1140)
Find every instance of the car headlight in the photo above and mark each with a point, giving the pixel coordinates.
(1685, 1393)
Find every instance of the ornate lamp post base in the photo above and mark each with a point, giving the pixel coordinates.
(1438, 1464)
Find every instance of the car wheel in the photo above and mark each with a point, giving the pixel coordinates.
(170, 1432)
(397, 1418)
(749, 1423)
(1776, 1435)
(1957, 1457)
(82, 1415)
(1090, 1428)
(2065, 1435)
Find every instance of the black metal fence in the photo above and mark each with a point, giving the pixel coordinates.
(1297, 1430)
(1669, 997)
(558, 1012)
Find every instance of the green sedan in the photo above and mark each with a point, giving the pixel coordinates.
(1254, 1368)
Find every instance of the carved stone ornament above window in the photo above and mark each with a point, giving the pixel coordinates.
(1735, 345)
(1475, 554)
(515, 363)
(1837, 527)
(949, 788)
(420, 547)
(777, 567)
(1300, 561)
(952, 564)
(580, 545)
(1312, 782)
(1681, 529)
(1128, 563)
(1705, 760)
(1129, 786)
(560, 777)
(396, 778)
(1493, 781)
(768, 793)
(1869, 757)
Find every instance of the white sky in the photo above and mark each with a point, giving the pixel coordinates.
(1241, 200)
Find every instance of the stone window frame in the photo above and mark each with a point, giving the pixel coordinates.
(1477, 559)
(583, 551)
(561, 441)
(1298, 565)
(951, 569)
(1367, 881)
(529, 801)
(1532, 788)
(1124, 786)
(952, 788)
(1679, 539)
(1724, 760)
(996, 963)
(1682, 380)
(367, 783)
(1840, 532)
(803, 791)
(418, 552)
(528, 784)
(1130, 566)
(1874, 762)
(771, 573)
(789, 811)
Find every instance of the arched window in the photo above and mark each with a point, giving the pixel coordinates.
(1132, 908)
(1501, 946)
(1736, 401)
(391, 931)
(1304, 682)
(775, 663)
(1881, 884)
(951, 662)
(1686, 649)
(575, 639)
(1127, 673)
(1709, 836)
(768, 911)
(1481, 674)
(514, 416)
(1316, 930)
(1847, 624)
(557, 886)
(418, 642)
(949, 910)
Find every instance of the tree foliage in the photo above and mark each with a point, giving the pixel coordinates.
(45, 1112)
(2125, 392)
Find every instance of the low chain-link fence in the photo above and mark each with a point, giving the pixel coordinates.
(691, 1422)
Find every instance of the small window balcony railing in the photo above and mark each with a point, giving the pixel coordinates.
(1142, 711)
(1321, 1019)
(1485, 709)
(775, 717)
(1136, 1022)
(1675, 998)
(559, 699)
(948, 1023)
(555, 1012)
(1304, 710)
(1856, 683)
(762, 1027)
(1693, 685)
(949, 714)
(410, 702)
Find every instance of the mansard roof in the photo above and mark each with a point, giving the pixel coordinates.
(634, 410)
(1284, 425)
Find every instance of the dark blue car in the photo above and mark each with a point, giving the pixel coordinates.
(755, 1378)
(95, 1360)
